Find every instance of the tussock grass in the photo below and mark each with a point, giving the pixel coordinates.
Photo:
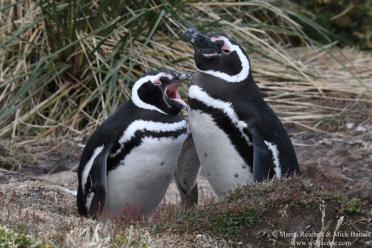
(65, 66)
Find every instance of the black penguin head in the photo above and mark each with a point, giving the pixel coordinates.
(219, 56)
(158, 90)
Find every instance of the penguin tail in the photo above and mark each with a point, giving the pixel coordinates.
(293, 171)
(189, 200)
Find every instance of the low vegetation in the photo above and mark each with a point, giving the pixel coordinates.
(12, 239)
(263, 214)
(260, 215)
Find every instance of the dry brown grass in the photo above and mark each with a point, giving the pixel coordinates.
(306, 86)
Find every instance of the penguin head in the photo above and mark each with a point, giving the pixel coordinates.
(219, 56)
(158, 91)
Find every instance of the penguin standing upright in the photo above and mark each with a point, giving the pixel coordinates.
(130, 159)
(238, 138)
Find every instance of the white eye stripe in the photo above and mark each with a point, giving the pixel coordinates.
(244, 72)
(242, 75)
(137, 100)
(154, 79)
(210, 54)
(158, 81)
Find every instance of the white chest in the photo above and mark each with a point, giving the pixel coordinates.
(142, 178)
(225, 169)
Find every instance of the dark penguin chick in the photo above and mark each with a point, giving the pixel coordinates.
(130, 159)
(186, 174)
(238, 138)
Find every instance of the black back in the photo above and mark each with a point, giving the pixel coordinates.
(249, 105)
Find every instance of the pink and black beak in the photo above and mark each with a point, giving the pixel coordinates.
(171, 88)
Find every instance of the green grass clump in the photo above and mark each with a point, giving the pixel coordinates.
(348, 20)
(353, 206)
(232, 223)
(255, 214)
(126, 241)
(12, 239)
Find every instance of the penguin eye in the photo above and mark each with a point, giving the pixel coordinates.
(219, 43)
(164, 80)
(157, 82)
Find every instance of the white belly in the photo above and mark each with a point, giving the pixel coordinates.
(142, 178)
(224, 168)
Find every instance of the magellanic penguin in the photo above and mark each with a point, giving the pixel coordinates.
(238, 138)
(130, 159)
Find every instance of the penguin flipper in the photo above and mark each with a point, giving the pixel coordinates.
(262, 159)
(186, 174)
(98, 178)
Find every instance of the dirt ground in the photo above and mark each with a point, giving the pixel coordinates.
(37, 180)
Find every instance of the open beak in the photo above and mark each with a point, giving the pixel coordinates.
(171, 89)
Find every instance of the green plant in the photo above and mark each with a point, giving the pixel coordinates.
(353, 206)
(349, 22)
(12, 239)
(230, 224)
(124, 241)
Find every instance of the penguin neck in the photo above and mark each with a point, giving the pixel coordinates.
(208, 89)
(221, 89)
(149, 114)
(149, 111)
(237, 78)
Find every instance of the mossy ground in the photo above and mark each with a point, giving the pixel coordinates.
(261, 215)
(12, 239)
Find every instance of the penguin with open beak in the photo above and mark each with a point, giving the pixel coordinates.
(130, 159)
